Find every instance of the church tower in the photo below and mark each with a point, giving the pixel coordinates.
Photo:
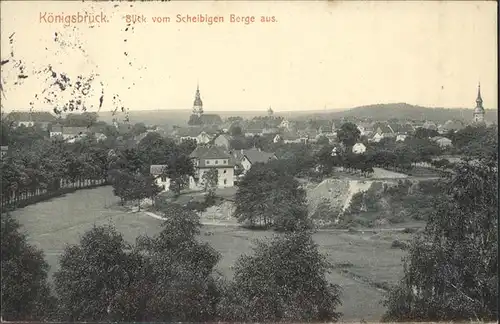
(270, 112)
(198, 104)
(478, 114)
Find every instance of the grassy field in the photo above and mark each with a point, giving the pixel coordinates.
(365, 260)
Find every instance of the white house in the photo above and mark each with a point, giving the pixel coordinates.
(284, 124)
(100, 137)
(57, 130)
(253, 156)
(209, 158)
(358, 148)
(160, 179)
(442, 141)
(401, 137)
(377, 137)
(203, 138)
(4, 149)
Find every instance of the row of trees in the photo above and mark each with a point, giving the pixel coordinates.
(46, 166)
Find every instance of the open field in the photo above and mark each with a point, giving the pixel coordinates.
(365, 260)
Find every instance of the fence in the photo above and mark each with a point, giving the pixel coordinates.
(27, 197)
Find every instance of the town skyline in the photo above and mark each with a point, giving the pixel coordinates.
(435, 58)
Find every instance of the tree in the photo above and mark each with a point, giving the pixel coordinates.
(425, 133)
(210, 179)
(284, 280)
(141, 187)
(268, 197)
(179, 169)
(323, 140)
(93, 275)
(26, 294)
(139, 128)
(187, 146)
(235, 130)
(176, 281)
(133, 187)
(451, 272)
(239, 143)
(154, 149)
(348, 134)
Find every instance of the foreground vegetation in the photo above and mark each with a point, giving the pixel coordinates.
(126, 295)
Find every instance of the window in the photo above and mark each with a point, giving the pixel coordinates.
(225, 181)
(224, 171)
(163, 178)
(225, 161)
(216, 161)
(208, 162)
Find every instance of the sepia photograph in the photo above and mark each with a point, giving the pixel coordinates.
(249, 161)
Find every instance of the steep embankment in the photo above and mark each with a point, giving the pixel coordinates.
(330, 198)
(355, 186)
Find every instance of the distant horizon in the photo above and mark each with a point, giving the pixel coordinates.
(253, 111)
(333, 54)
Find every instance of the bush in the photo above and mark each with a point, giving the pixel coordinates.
(397, 244)
(409, 230)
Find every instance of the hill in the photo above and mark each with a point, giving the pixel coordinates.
(404, 111)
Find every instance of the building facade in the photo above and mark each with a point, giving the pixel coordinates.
(210, 158)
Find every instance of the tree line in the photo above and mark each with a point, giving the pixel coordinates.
(49, 166)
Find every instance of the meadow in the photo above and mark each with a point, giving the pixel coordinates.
(364, 261)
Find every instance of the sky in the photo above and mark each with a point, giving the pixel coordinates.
(316, 55)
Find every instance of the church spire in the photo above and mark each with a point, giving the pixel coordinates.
(479, 100)
(478, 114)
(270, 111)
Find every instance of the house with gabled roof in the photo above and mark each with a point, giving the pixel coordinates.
(254, 132)
(158, 172)
(364, 128)
(198, 134)
(247, 158)
(455, 125)
(69, 133)
(294, 138)
(223, 140)
(430, 125)
(443, 142)
(401, 128)
(358, 148)
(4, 150)
(210, 158)
(29, 119)
(382, 130)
